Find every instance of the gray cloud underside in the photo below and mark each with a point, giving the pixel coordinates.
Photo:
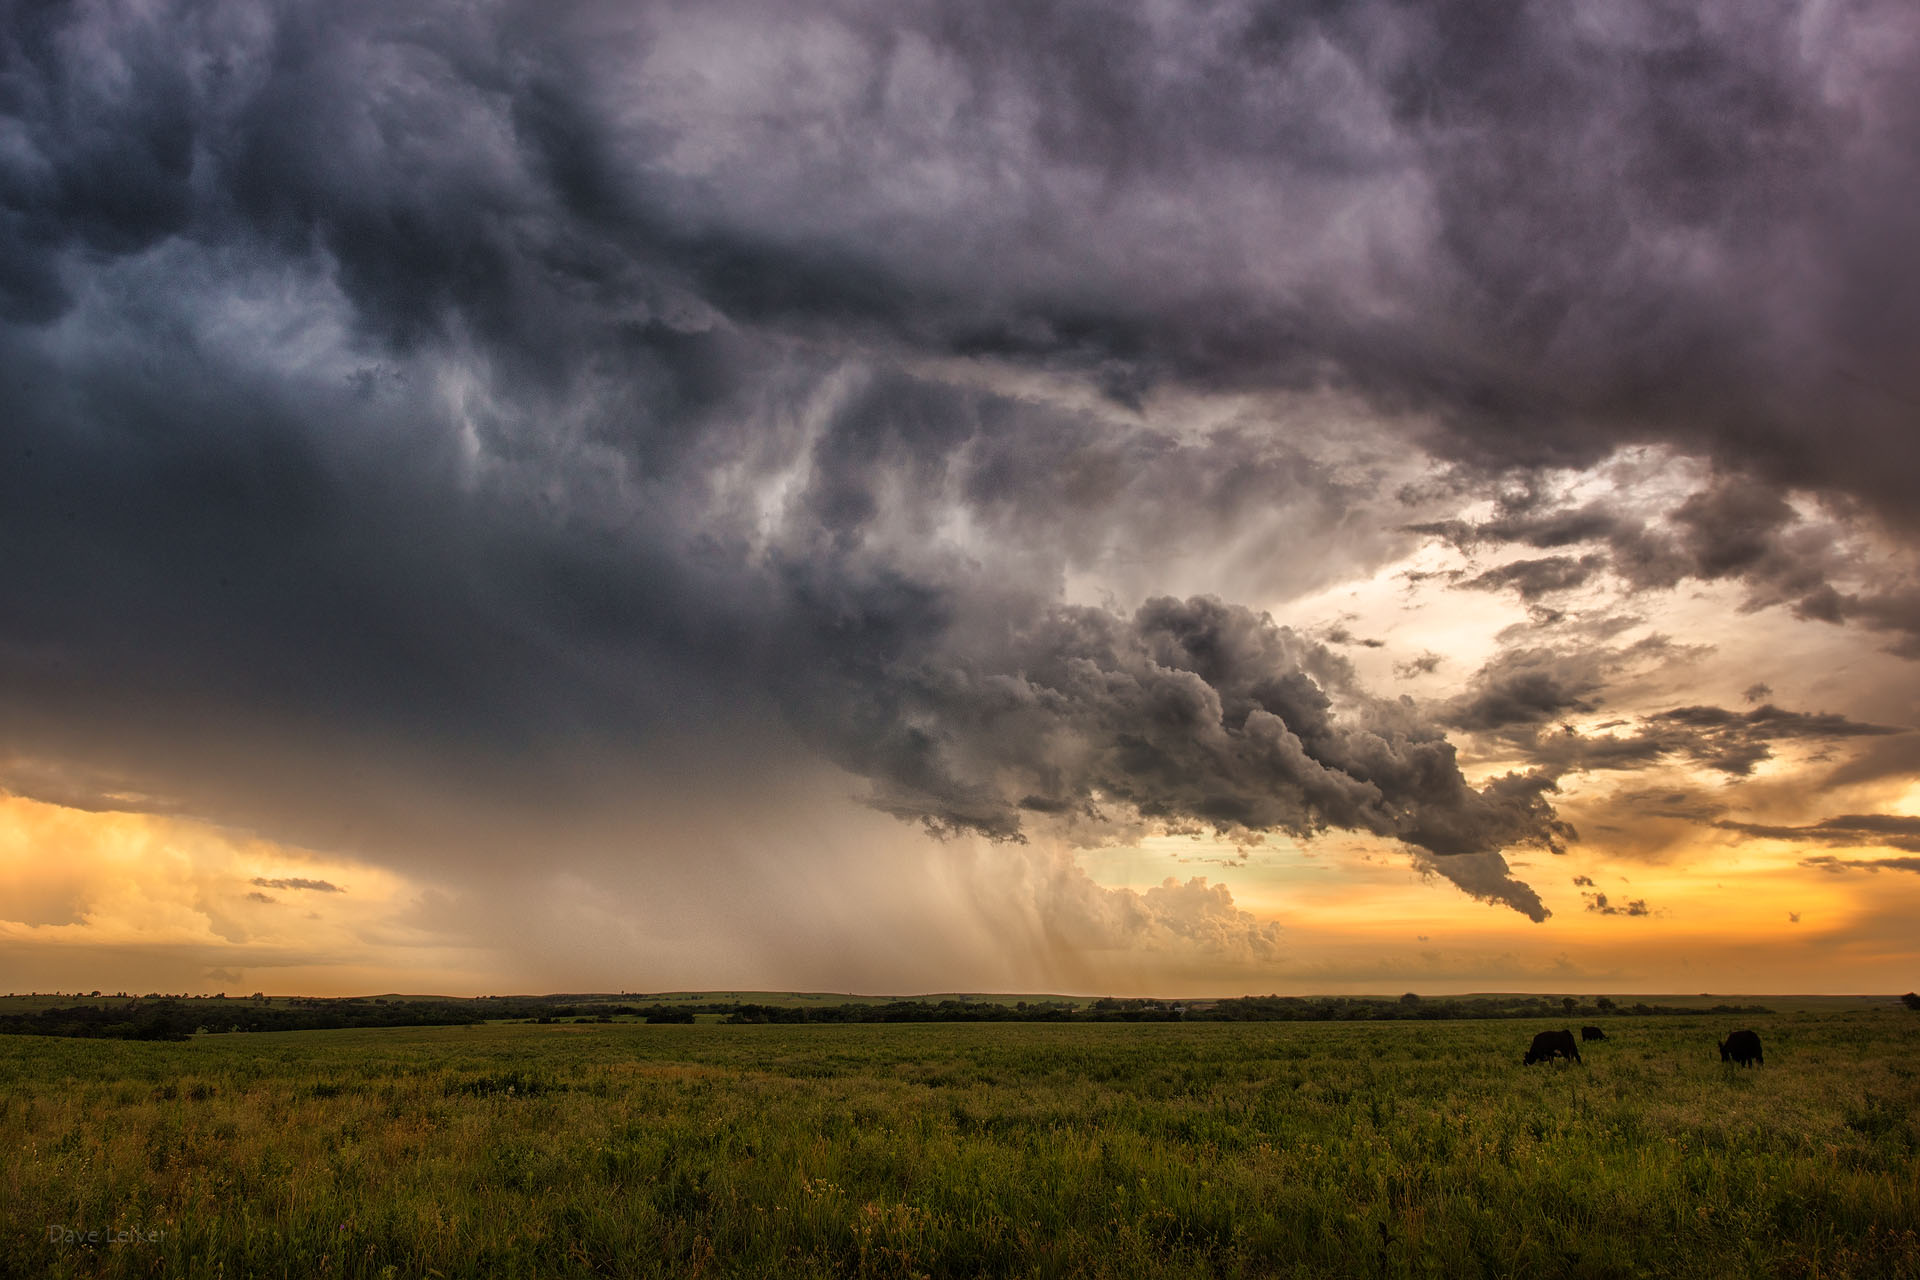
(1487, 877)
(1826, 862)
(1188, 713)
(1853, 830)
(1522, 697)
(470, 390)
(1740, 527)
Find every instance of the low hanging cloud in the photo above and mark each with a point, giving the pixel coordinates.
(1599, 904)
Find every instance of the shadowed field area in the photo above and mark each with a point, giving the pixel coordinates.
(1183, 1149)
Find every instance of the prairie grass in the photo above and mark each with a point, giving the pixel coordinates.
(1387, 1149)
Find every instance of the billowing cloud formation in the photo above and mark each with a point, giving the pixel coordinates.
(485, 400)
(1188, 713)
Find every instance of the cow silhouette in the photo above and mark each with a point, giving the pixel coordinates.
(1552, 1044)
(1592, 1033)
(1742, 1047)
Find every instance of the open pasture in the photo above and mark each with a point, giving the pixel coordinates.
(1390, 1149)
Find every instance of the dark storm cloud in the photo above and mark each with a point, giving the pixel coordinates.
(1534, 578)
(1188, 713)
(1524, 697)
(1530, 686)
(1734, 742)
(1562, 230)
(466, 391)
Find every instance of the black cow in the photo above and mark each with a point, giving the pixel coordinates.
(1551, 1044)
(1592, 1033)
(1742, 1047)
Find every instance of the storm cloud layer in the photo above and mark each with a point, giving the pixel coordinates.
(451, 398)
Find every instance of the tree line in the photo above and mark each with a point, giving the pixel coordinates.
(177, 1017)
(1239, 1009)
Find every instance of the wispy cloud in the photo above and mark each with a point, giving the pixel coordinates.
(296, 882)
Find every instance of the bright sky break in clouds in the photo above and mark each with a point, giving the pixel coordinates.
(1139, 498)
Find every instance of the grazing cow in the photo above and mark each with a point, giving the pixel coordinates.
(1742, 1047)
(1592, 1033)
(1551, 1044)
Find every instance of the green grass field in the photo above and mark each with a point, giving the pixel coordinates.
(1382, 1149)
